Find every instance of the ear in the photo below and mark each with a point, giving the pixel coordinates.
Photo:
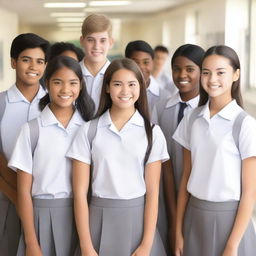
(81, 40)
(236, 75)
(111, 42)
(13, 63)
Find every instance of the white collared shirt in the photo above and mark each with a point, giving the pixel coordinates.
(49, 166)
(153, 93)
(94, 83)
(216, 161)
(18, 111)
(165, 114)
(118, 156)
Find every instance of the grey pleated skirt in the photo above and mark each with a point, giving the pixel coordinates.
(54, 226)
(207, 226)
(116, 227)
(9, 227)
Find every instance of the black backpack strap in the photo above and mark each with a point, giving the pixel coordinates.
(2, 110)
(237, 127)
(34, 134)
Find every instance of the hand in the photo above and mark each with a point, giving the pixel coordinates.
(141, 251)
(33, 250)
(230, 251)
(179, 246)
(89, 252)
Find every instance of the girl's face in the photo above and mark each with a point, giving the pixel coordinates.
(218, 76)
(64, 87)
(124, 89)
(186, 77)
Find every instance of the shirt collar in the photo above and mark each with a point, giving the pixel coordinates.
(48, 118)
(136, 119)
(154, 86)
(175, 99)
(15, 95)
(86, 72)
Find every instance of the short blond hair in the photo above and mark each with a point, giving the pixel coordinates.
(96, 23)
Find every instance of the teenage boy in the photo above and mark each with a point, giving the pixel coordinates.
(19, 104)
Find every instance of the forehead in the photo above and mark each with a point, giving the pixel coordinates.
(140, 55)
(124, 74)
(64, 73)
(36, 53)
(216, 61)
(98, 35)
(183, 61)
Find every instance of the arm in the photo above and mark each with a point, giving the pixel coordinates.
(25, 208)
(170, 198)
(182, 201)
(152, 179)
(245, 209)
(80, 182)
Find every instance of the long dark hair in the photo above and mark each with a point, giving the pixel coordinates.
(231, 55)
(84, 103)
(141, 104)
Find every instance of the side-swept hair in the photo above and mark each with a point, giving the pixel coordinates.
(84, 102)
(141, 104)
(96, 23)
(231, 55)
(28, 41)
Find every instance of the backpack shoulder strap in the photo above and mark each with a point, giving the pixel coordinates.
(237, 127)
(92, 130)
(34, 133)
(2, 110)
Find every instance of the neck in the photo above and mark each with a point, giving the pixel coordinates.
(28, 91)
(189, 95)
(216, 104)
(94, 67)
(63, 115)
(121, 116)
(156, 72)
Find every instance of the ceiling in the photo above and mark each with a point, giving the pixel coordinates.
(33, 13)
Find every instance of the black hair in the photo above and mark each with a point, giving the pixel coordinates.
(141, 104)
(231, 55)
(138, 45)
(60, 47)
(84, 102)
(161, 48)
(28, 41)
(191, 51)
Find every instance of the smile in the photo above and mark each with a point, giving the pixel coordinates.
(65, 97)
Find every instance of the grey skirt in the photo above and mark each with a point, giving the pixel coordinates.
(116, 227)
(54, 226)
(9, 227)
(207, 226)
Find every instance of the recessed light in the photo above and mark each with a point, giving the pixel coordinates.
(65, 5)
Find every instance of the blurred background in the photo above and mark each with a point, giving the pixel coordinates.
(167, 22)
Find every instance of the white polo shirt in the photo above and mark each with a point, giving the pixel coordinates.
(216, 161)
(118, 156)
(165, 114)
(18, 111)
(94, 83)
(50, 169)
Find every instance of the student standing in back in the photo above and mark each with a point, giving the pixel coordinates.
(218, 189)
(43, 172)
(143, 54)
(186, 62)
(19, 104)
(96, 40)
(126, 152)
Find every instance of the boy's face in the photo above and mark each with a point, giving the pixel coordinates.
(29, 66)
(145, 63)
(96, 46)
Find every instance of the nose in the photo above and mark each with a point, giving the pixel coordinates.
(212, 78)
(125, 89)
(32, 64)
(64, 88)
(183, 73)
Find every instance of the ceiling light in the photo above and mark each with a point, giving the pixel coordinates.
(65, 5)
(67, 14)
(70, 19)
(109, 3)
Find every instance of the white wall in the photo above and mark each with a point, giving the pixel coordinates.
(8, 30)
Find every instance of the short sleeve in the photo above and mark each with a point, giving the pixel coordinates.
(247, 138)
(182, 133)
(21, 157)
(80, 147)
(159, 147)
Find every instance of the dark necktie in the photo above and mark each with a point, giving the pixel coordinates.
(183, 105)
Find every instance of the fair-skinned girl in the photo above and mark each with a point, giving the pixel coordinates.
(44, 173)
(126, 153)
(218, 189)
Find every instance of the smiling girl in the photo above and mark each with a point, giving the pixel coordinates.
(43, 172)
(126, 153)
(218, 189)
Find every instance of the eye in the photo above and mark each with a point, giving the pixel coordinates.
(25, 60)
(74, 83)
(116, 84)
(220, 73)
(41, 62)
(190, 70)
(103, 40)
(132, 84)
(205, 73)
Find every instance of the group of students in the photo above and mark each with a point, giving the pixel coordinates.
(105, 162)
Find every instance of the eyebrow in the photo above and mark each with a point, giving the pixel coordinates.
(216, 69)
(59, 79)
(28, 57)
(118, 81)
